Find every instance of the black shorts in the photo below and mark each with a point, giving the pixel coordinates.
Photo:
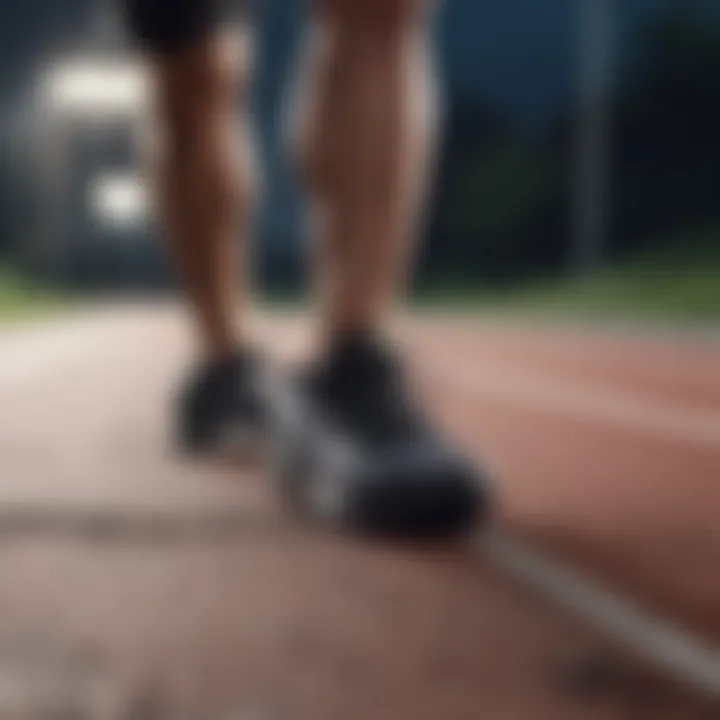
(166, 25)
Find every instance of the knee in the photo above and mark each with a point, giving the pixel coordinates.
(194, 90)
(374, 18)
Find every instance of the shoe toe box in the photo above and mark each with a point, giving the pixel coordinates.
(419, 492)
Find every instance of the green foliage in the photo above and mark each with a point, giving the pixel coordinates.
(20, 298)
(679, 282)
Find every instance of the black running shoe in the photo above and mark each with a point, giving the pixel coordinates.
(221, 407)
(353, 450)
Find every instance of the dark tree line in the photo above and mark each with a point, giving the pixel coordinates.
(505, 199)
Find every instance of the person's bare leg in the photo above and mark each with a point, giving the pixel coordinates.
(203, 180)
(368, 130)
(203, 184)
(358, 451)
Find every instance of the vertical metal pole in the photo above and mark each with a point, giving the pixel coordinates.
(596, 30)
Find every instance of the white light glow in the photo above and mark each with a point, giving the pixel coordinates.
(87, 87)
(120, 201)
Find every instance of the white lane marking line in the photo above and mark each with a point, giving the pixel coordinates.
(690, 659)
(580, 400)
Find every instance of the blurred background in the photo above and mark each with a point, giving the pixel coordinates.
(579, 176)
(578, 173)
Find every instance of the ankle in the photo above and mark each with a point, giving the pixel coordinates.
(343, 339)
